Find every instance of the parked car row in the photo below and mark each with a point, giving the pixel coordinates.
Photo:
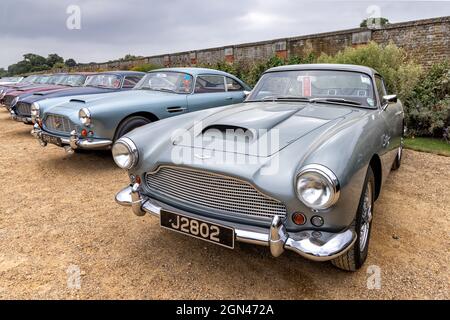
(295, 163)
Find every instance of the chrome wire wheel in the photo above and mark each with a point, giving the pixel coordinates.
(366, 218)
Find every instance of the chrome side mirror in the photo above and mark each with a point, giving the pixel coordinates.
(391, 98)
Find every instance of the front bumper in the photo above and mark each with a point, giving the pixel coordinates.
(19, 118)
(73, 142)
(310, 244)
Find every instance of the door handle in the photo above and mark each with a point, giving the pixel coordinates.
(229, 98)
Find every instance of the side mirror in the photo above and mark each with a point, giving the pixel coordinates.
(247, 93)
(392, 98)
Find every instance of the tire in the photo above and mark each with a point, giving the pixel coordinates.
(355, 257)
(130, 124)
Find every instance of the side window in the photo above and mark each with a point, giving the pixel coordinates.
(209, 84)
(380, 87)
(130, 82)
(233, 85)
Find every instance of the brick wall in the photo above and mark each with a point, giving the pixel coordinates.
(427, 41)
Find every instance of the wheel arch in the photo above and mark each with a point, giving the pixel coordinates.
(375, 164)
(148, 115)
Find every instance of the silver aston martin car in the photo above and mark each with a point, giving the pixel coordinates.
(297, 166)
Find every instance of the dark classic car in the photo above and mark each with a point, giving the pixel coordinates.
(296, 167)
(104, 82)
(96, 121)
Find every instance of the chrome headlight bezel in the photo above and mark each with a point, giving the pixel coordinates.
(85, 116)
(125, 153)
(318, 174)
(35, 111)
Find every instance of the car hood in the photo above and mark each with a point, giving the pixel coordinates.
(107, 101)
(71, 91)
(37, 89)
(261, 129)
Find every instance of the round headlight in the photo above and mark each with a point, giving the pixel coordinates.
(317, 187)
(85, 116)
(125, 153)
(34, 110)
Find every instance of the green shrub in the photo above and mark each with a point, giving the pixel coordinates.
(401, 75)
(427, 108)
(146, 67)
(250, 73)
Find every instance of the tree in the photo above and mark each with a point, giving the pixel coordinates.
(34, 60)
(59, 65)
(373, 23)
(53, 58)
(3, 72)
(129, 57)
(70, 63)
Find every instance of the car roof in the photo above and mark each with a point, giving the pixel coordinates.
(325, 66)
(194, 71)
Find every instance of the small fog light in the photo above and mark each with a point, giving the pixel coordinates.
(317, 221)
(299, 218)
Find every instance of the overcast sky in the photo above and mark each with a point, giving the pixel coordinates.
(112, 29)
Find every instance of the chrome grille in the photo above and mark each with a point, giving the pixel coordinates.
(59, 123)
(7, 100)
(213, 191)
(23, 109)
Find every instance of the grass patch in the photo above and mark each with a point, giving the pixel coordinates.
(430, 145)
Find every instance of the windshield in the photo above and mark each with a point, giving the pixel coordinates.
(10, 79)
(29, 79)
(344, 86)
(176, 82)
(110, 81)
(73, 80)
(43, 79)
(57, 79)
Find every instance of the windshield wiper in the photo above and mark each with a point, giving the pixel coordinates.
(336, 100)
(278, 98)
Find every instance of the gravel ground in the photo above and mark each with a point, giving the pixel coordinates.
(58, 214)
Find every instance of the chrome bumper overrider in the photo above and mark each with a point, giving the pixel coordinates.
(73, 142)
(18, 118)
(313, 245)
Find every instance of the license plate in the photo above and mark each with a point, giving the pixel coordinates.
(217, 234)
(51, 139)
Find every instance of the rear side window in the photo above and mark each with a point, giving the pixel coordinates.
(130, 82)
(233, 85)
(209, 84)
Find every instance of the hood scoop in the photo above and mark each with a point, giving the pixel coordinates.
(229, 132)
(77, 100)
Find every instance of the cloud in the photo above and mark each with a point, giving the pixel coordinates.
(111, 29)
